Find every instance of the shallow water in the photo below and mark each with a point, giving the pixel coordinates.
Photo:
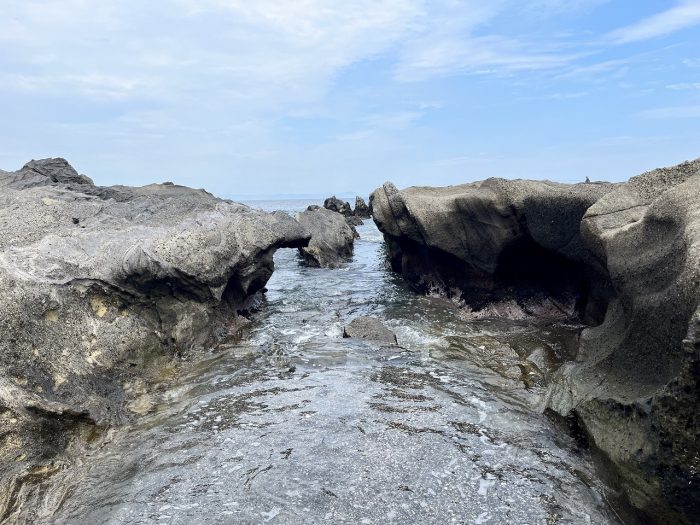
(295, 424)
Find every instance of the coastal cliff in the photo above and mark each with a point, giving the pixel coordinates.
(622, 258)
(100, 287)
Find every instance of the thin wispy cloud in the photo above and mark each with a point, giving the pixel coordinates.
(685, 14)
(672, 112)
(684, 85)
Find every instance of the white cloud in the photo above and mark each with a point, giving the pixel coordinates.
(608, 69)
(248, 55)
(684, 86)
(91, 84)
(455, 54)
(683, 15)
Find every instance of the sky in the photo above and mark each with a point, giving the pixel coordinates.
(254, 98)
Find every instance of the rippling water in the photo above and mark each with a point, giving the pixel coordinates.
(296, 425)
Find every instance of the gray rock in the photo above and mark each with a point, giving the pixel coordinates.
(337, 205)
(625, 258)
(353, 222)
(471, 241)
(98, 286)
(332, 238)
(361, 209)
(369, 329)
(46, 172)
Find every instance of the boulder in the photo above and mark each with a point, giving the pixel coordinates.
(100, 285)
(337, 205)
(332, 238)
(369, 329)
(361, 209)
(625, 259)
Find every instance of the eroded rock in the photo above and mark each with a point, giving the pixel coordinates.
(337, 205)
(625, 259)
(99, 285)
(361, 209)
(332, 238)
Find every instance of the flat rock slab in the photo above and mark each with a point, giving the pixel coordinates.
(369, 329)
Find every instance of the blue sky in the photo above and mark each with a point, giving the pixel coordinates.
(248, 97)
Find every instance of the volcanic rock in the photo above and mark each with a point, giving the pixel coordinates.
(99, 285)
(332, 238)
(337, 205)
(623, 258)
(361, 209)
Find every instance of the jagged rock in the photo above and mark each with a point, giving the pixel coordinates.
(337, 205)
(47, 171)
(98, 284)
(361, 209)
(626, 259)
(332, 238)
(369, 329)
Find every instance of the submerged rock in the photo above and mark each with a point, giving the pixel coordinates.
(98, 284)
(332, 238)
(625, 259)
(369, 329)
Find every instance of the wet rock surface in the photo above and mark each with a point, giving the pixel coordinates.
(623, 258)
(332, 238)
(101, 288)
(369, 329)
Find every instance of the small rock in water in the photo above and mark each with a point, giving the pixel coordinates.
(370, 329)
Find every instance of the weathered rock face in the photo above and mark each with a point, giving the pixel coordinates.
(626, 259)
(369, 329)
(97, 283)
(514, 243)
(361, 209)
(332, 238)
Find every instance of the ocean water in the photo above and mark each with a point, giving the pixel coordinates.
(294, 424)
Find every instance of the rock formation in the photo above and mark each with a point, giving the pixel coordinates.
(339, 206)
(100, 284)
(369, 329)
(332, 238)
(361, 209)
(623, 258)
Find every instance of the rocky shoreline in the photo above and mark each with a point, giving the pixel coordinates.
(106, 289)
(622, 258)
(102, 288)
